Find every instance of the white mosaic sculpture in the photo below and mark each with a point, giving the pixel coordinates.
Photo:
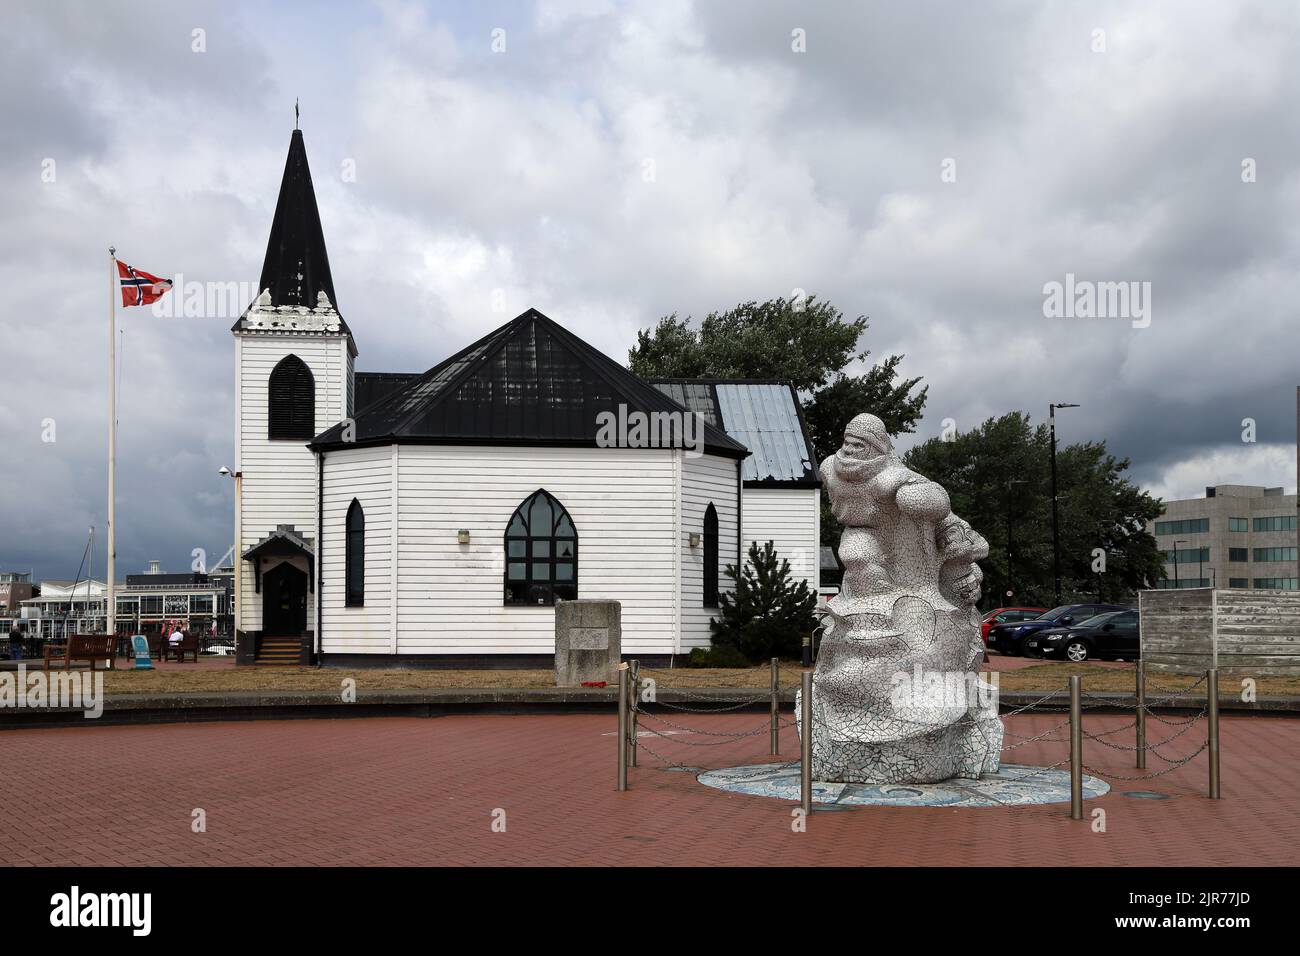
(896, 696)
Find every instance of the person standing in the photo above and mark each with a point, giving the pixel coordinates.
(16, 637)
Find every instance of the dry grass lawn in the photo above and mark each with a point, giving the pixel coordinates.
(1042, 677)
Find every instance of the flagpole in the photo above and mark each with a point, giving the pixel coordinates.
(111, 607)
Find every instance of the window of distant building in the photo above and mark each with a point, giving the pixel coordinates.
(1238, 582)
(1238, 524)
(1283, 584)
(1190, 555)
(1275, 523)
(1239, 554)
(1189, 526)
(1275, 554)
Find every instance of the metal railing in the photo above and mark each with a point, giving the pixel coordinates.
(631, 713)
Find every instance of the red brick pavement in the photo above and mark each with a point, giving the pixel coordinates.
(422, 791)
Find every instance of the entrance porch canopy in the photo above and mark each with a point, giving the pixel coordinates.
(283, 542)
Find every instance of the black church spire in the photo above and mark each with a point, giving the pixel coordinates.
(297, 267)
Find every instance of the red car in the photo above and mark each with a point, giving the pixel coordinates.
(1007, 615)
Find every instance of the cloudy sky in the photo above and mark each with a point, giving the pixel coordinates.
(929, 165)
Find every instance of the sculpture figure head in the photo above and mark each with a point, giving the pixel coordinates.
(866, 448)
(865, 436)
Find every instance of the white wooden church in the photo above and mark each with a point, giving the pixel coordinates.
(434, 519)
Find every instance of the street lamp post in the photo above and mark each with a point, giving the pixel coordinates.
(1010, 574)
(1056, 533)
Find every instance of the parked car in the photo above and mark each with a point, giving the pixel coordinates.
(1010, 638)
(1113, 635)
(1007, 615)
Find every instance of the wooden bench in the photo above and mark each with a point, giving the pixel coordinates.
(83, 647)
(189, 644)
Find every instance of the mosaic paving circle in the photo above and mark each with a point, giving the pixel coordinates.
(1012, 785)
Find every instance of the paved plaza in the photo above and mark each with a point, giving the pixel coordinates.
(374, 791)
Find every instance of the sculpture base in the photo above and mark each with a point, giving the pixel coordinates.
(946, 754)
(1012, 785)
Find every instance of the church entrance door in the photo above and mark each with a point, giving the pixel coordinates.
(284, 601)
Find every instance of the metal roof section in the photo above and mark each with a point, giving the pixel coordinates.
(764, 416)
(765, 419)
(529, 382)
(694, 394)
(370, 387)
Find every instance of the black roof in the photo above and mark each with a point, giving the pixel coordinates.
(297, 267)
(529, 382)
(370, 387)
(762, 414)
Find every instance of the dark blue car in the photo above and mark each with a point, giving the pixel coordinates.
(1009, 638)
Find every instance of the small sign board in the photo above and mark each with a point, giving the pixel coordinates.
(140, 645)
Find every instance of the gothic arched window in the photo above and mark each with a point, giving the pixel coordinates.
(711, 556)
(541, 552)
(355, 555)
(291, 401)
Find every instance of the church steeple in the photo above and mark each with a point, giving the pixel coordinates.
(297, 268)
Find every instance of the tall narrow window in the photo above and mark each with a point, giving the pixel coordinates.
(711, 556)
(355, 552)
(541, 552)
(291, 401)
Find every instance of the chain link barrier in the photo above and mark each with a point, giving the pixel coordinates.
(1047, 704)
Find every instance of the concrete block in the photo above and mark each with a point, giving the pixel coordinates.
(588, 641)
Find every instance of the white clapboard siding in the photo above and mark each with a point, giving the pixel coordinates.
(791, 519)
(279, 477)
(706, 479)
(451, 595)
(365, 474)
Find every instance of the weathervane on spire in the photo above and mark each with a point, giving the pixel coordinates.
(295, 112)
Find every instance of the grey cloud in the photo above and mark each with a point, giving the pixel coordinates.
(774, 170)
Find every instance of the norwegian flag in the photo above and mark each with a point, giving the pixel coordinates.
(139, 287)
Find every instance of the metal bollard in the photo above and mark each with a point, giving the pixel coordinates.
(775, 719)
(805, 657)
(805, 766)
(1141, 715)
(623, 727)
(1212, 714)
(1076, 748)
(633, 705)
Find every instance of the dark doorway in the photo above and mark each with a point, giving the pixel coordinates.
(284, 601)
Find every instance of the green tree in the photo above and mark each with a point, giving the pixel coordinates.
(768, 614)
(999, 479)
(805, 342)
